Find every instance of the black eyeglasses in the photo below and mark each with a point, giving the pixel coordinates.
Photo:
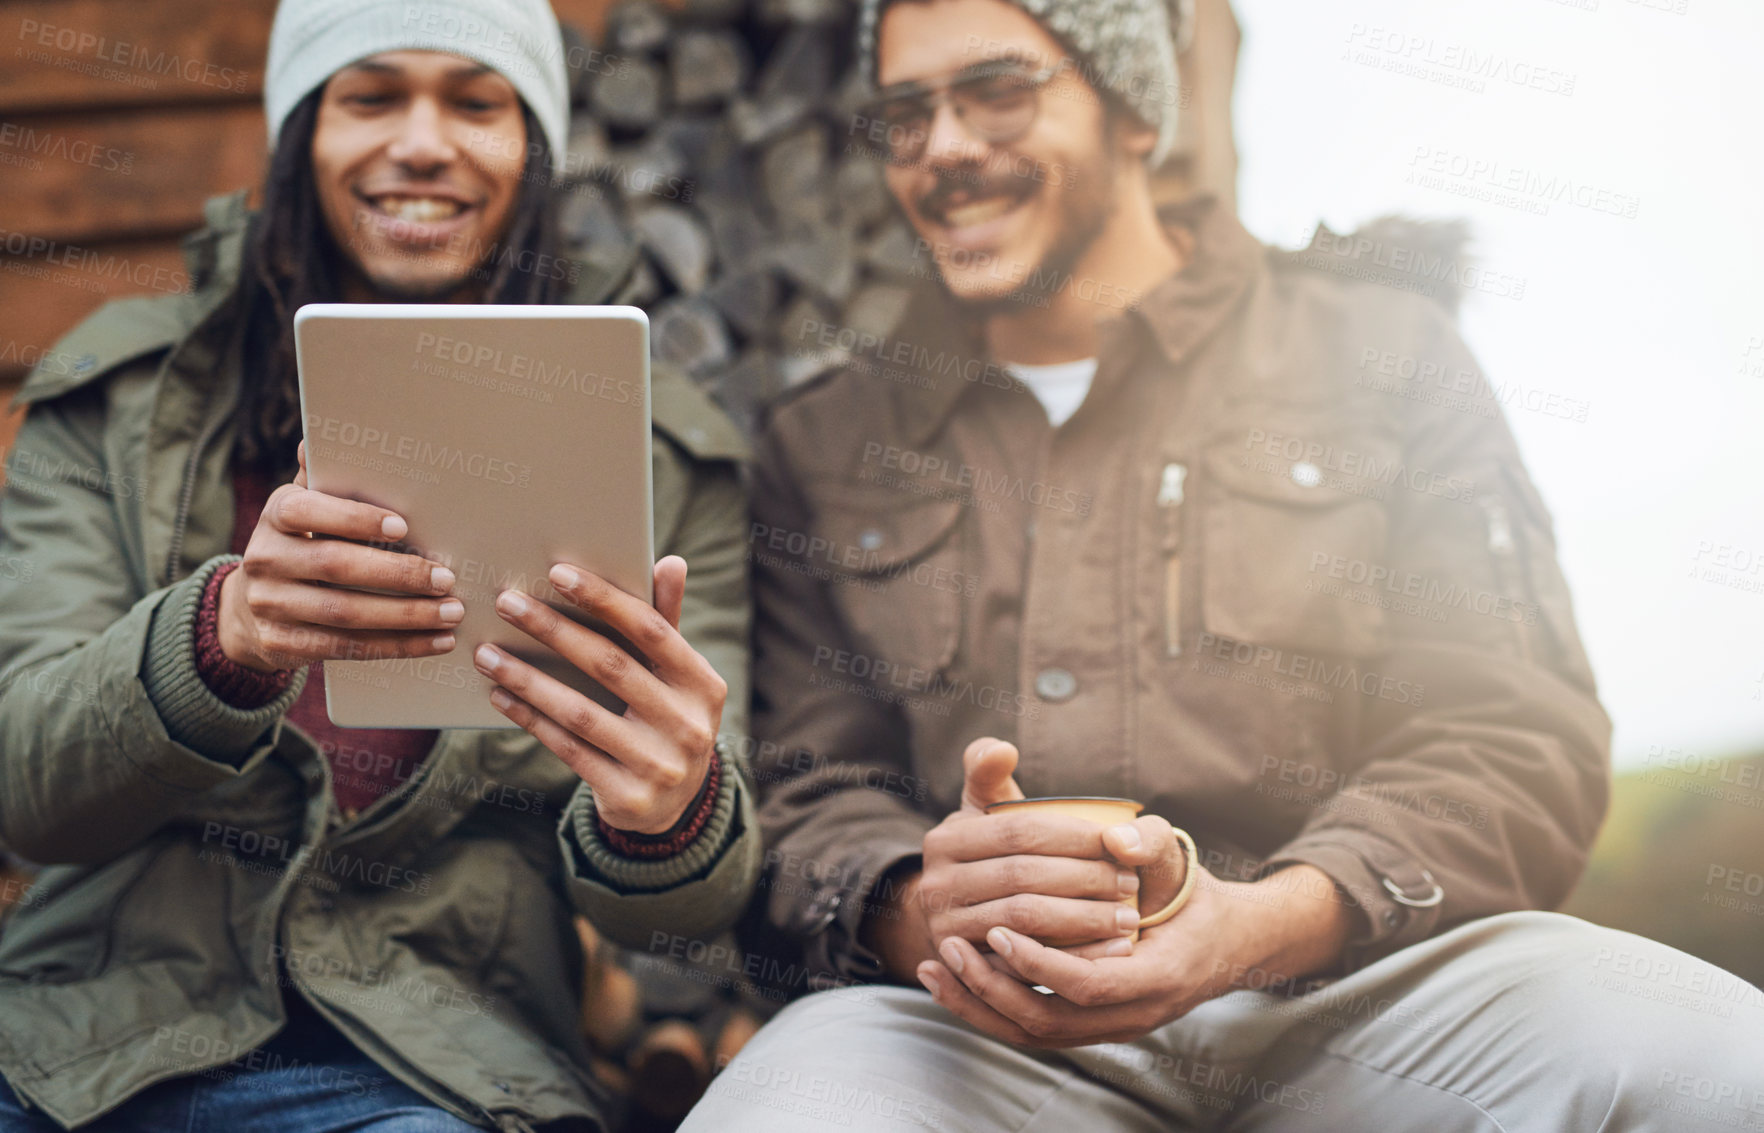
(995, 101)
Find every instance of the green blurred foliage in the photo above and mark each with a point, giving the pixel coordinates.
(1681, 860)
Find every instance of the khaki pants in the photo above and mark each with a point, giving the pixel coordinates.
(1529, 1021)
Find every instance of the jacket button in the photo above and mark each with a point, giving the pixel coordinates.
(1055, 684)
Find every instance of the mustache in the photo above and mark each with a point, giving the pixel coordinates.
(971, 182)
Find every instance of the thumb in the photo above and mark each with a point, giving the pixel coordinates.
(670, 588)
(1149, 844)
(987, 767)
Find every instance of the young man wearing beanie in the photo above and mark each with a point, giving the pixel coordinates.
(247, 917)
(1108, 513)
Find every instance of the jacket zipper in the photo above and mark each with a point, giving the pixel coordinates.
(1170, 495)
(187, 491)
(1503, 550)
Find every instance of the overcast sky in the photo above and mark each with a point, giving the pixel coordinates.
(1347, 109)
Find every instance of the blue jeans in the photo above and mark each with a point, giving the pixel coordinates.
(309, 1078)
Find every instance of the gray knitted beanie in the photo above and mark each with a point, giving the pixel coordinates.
(1128, 47)
(314, 39)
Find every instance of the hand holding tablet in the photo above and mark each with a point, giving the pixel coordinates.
(647, 764)
(468, 543)
(314, 588)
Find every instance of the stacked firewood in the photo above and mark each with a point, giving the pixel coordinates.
(722, 139)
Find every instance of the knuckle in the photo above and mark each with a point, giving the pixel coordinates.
(650, 630)
(669, 776)
(1012, 875)
(698, 738)
(615, 663)
(325, 559)
(589, 590)
(333, 610)
(566, 747)
(283, 508)
(581, 719)
(1024, 914)
(1013, 837)
(1090, 992)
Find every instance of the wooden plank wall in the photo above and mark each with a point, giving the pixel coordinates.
(118, 118)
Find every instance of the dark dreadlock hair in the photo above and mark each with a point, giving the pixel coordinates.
(290, 259)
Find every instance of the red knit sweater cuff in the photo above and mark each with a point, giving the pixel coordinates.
(630, 844)
(234, 684)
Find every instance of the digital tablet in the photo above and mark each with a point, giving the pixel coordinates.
(509, 438)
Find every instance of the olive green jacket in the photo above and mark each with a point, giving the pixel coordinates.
(197, 869)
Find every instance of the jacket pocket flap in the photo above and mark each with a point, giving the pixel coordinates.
(1265, 530)
(870, 532)
(1316, 470)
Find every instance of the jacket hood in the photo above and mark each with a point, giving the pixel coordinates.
(137, 325)
(1428, 257)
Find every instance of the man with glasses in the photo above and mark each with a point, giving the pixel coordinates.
(1120, 507)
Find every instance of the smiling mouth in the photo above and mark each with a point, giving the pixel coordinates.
(979, 212)
(416, 209)
(966, 210)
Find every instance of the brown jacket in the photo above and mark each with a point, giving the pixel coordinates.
(1282, 577)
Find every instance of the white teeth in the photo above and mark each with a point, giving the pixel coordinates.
(419, 210)
(979, 212)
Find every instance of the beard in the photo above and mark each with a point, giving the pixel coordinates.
(1086, 206)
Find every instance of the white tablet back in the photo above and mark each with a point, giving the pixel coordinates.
(510, 438)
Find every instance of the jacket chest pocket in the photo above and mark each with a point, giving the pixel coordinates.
(1279, 534)
(897, 575)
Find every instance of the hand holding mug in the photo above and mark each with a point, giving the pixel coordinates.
(1047, 875)
(1162, 852)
